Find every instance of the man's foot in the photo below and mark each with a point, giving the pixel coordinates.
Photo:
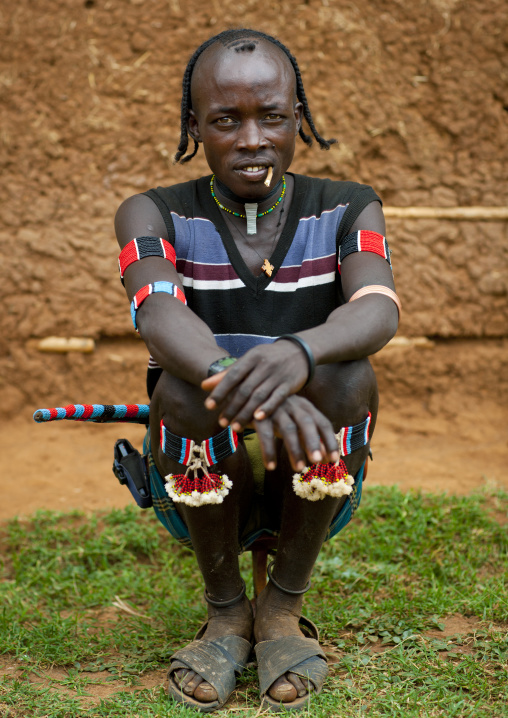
(277, 616)
(230, 621)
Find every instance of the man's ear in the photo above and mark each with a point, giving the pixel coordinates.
(193, 127)
(298, 116)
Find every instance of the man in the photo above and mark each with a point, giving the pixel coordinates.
(257, 252)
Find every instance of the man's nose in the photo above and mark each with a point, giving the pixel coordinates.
(251, 136)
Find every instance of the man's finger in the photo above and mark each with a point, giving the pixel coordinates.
(264, 430)
(278, 396)
(308, 435)
(234, 375)
(287, 429)
(211, 382)
(310, 419)
(243, 400)
(242, 412)
(328, 437)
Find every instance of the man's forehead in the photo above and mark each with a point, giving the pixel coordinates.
(248, 53)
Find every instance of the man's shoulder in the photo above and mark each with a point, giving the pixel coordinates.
(326, 186)
(181, 189)
(182, 198)
(327, 193)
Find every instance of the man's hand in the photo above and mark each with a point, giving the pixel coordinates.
(307, 434)
(257, 384)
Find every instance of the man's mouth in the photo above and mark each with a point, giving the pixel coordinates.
(255, 172)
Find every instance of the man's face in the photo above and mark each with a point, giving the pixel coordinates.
(246, 115)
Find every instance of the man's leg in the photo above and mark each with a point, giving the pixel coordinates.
(345, 393)
(214, 529)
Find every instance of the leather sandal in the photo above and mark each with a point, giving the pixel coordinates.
(219, 662)
(301, 655)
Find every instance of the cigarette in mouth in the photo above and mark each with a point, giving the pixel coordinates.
(268, 177)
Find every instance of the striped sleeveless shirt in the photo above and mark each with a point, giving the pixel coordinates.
(243, 310)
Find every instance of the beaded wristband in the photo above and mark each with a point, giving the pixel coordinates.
(364, 241)
(308, 353)
(141, 247)
(144, 292)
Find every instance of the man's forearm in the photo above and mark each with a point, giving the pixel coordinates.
(354, 331)
(180, 342)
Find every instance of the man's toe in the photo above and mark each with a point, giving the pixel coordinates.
(189, 686)
(300, 684)
(283, 690)
(205, 693)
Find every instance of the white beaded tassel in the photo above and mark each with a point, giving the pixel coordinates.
(314, 484)
(217, 486)
(251, 211)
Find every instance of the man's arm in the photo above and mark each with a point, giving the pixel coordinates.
(266, 375)
(179, 341)
(363, 327)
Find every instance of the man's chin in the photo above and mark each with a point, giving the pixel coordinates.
(245, 186)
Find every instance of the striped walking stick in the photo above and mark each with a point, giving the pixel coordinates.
(98, 413)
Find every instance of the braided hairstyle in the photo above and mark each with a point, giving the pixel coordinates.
(238, 40)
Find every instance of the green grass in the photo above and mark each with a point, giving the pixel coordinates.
(382, 593)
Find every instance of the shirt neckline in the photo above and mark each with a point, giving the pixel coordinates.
(257, 284)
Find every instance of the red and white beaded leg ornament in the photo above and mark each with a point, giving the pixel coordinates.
(198, 487)
(320, 480)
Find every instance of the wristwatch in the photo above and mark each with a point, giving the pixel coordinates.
(220, 365)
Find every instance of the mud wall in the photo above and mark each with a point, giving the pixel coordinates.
(416, 92)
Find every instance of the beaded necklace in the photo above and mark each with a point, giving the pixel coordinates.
(247, 206)
(267, 268)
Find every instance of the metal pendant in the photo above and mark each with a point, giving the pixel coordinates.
(251, 210)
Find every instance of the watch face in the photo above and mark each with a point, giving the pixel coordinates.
(220, 365)
(227, 361)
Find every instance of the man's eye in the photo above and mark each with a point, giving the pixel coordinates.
(273, 116)
(225, 121)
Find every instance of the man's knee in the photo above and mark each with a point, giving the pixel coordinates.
(345, 392)
(181, 406)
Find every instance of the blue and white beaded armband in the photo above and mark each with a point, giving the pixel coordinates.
(144, 292)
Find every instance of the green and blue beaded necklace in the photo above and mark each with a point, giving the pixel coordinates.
(251, 213)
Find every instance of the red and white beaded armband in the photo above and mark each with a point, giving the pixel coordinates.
(141, 247)
(364, 241)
